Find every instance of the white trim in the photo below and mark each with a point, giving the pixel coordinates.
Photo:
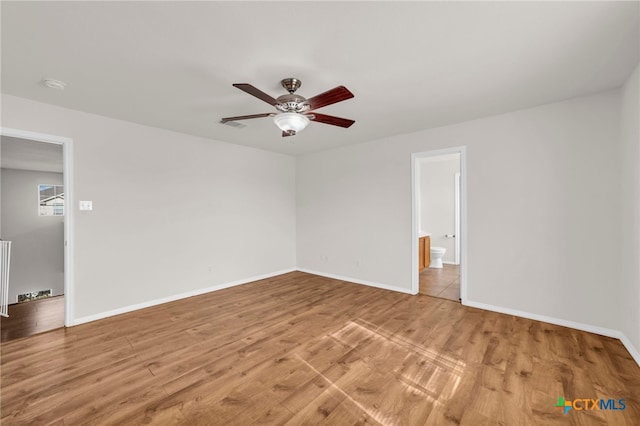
(357, 281)
(461, 236)
(67, 155)
(456, 254)
(551, 320)
(463, 224)
(632, 350)
(415, 232)
(176, 297)
(608, 332)
(34, 136)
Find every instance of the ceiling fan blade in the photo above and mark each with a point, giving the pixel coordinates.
(245, 117)
(330, 119)
(256, 92)
(337, 94)
(286, 133)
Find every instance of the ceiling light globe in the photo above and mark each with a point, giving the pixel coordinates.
(288, 121)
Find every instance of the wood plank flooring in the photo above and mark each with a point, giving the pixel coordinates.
(441, 282)
(302, 349)
(28, 318)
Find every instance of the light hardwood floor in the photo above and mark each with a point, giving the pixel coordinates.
(302, 349)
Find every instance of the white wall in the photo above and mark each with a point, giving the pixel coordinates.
(37, 250)
(538, 250)
(354, 213)
(235, 210)
(629, 308)
(437, 202)
(1, 195)
(231, 216)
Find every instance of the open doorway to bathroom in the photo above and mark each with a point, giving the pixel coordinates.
(438, 218)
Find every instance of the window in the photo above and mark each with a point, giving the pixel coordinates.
(51, 200)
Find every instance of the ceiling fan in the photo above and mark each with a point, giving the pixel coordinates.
(294, 111)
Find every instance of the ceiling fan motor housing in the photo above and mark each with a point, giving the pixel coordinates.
(291, 103)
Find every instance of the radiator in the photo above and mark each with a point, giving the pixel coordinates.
(5, 258)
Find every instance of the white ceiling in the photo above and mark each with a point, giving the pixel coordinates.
(24, 154)
(411, 65)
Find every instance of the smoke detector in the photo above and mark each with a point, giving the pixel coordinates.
(54, 84)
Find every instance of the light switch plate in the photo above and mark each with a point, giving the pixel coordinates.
(86, 205)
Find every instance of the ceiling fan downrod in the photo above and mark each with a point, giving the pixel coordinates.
(291, 84)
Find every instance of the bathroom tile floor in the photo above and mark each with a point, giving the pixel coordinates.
(443, 283)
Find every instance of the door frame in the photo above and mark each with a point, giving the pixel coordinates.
(456, 259)
(415, 197)
(67, 160)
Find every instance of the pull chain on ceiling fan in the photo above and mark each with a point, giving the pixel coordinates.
(294, 110)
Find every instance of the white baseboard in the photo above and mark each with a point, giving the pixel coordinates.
(130, 308)
(551, 320)
(635, 354)
(632, 350)
(608, 332)
(357, 281)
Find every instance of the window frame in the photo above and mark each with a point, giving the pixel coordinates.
(58, 190)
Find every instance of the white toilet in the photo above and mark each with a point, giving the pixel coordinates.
(436, 257)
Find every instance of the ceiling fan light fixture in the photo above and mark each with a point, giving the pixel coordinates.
(288, 121)
(293, 109)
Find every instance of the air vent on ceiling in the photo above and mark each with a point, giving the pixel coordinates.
(233, 124)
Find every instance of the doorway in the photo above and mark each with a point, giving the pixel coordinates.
(29, 154)
(438, 221)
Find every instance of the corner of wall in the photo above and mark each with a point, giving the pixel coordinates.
(629, 294)
(150, 303)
